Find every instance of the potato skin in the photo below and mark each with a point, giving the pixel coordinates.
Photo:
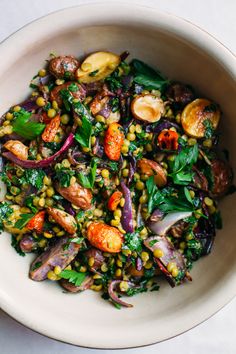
(104, 237)
(55, 93)
(64, 219)
(152, 168)
(222, 177)
(17, 148)
(63, 66)
(77, 195)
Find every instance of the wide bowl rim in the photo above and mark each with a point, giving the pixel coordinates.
(195, 35)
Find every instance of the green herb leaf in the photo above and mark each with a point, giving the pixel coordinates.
(5, 212)
(88, 181)
(133, 240)
(24, 219)
(29, 204)
(25, 128)
(63, 175)
(209, 131)
(34, 177)
(74, 277)
(83, 133)
(147, 76)
(15, 244)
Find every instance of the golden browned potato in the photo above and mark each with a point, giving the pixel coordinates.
(197, 115)
(77, 195)
(152, 168)
(17, 148)
(97, 66)
(64, 219)
(147, 108)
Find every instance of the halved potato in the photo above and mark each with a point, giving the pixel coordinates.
(97, 66)
(196, 114)
(147, 108)
(152, 168)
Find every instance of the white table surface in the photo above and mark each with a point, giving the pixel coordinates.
(217, 335)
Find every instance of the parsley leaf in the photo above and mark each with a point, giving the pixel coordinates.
(25, 128)
(84, 132)
(15, 245)
(182, 172)
(74, 277)
(88, 181)
(34, 177)
(5, 211)
(24, 219)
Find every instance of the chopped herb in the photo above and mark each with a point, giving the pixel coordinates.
(88, 181)
(74, 277)
(113, 166)
(94, 73)
(24, 219)
(15, 245)
(25, 128)
(34, 177)
(73, 87)
(133, 241)
(77, 240)
(83, 133)
(63, 175)
(5, 212)
(211, 108)
(209, 131)
(115, 104)
(4, 177)
(152, 242)
(36, 265)
(30, 205)
(80, 216)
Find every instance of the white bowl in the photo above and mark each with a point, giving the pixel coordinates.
(183, 52)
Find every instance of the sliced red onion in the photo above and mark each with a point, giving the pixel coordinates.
(105, 111)
(43, 163)
(157, 215)
(132, 168)
(127, 215)
(93, 87)
(161, 227)
(170, 253)
(124, 55)
(139, 263)
(111, 291)
(29, 104)
(139, 217)
(27, 244)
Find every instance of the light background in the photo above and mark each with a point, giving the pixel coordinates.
(217, 335)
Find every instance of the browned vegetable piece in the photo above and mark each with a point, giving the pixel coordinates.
(63, 66)
(222, 177)
(17, 148)
(77, 195)
(197, 115)
(199, 180)
(72, 288)
(152, 168)
(55, 93)
(61, 254)
(178, 229)
(180, 93)
(64, 219)
(97, 256)
(147, 108)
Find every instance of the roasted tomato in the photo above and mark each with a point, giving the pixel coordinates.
(168, 140)
(51, 129)
(97, 66)
(37, 222)
(114, 200)
(147, 108)
(17, 148)
(152, 168)
(104, 237)
(113, 141)
(198, 115)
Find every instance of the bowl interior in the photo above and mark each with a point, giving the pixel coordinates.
(85, 319)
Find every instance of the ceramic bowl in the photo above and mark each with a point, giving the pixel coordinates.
(183, 52)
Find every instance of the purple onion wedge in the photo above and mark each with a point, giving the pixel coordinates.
(162, 226)
(42, 163)
(127, 215)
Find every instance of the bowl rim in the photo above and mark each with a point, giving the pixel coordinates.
(178, 25)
